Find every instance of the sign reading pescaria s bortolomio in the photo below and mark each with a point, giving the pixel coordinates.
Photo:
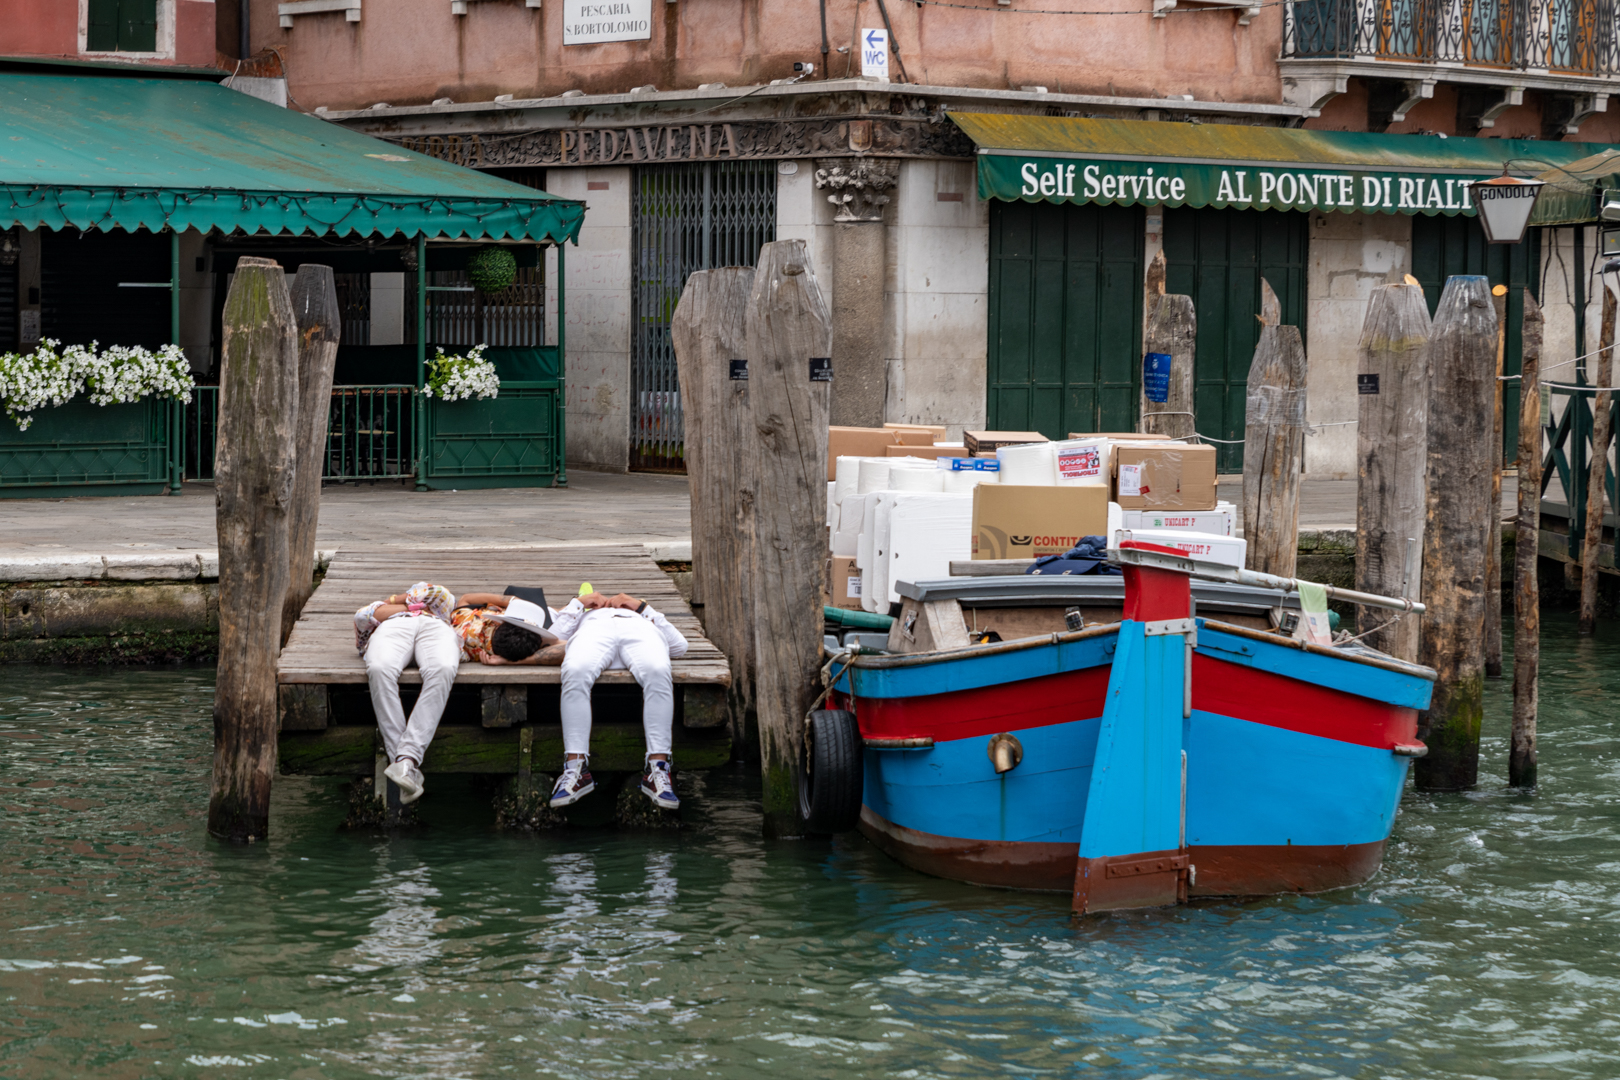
(1252, 186)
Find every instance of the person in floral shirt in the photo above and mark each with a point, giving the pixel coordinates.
(488, 639)
(390, 634)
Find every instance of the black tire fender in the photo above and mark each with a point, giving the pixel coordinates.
(834, 772)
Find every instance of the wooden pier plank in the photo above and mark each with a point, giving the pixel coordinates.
(321, 648)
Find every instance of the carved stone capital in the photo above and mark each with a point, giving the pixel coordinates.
(858, 186)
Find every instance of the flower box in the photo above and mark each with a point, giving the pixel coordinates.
(81, 448)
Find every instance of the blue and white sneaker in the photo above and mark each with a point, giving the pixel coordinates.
(573, 785)
(658, 784)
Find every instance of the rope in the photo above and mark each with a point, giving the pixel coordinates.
(1385, 626)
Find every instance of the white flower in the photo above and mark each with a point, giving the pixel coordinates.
(46, 377)
(454, 378)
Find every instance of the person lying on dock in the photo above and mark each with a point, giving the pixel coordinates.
(496, 629)
(390, 634)
(617, 631)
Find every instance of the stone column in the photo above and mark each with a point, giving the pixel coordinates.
(859, 265)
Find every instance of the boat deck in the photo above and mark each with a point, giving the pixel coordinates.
(497, 715)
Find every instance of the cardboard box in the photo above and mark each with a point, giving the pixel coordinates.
(1114, 435)
(844, 584)
(856, 442)
(1218, 521)
(912, 436)
(1206, 547)
(937, 430)
(1164, 477)
(979, 442)
(932, 453)
(968, 464)
(1012, 522)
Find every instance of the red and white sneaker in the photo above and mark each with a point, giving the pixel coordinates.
(573, 785)
(658, 784)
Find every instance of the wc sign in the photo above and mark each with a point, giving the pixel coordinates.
(875, 54)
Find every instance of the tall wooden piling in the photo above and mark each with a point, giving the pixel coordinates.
(1392, 446)
(255, 461)
(1172, 330)
(1526, 587)
(1274, 443)
(1493, 543)
(789, 350)
(1596, 482)
(320, 323)
(1462, 377)
(710, 331)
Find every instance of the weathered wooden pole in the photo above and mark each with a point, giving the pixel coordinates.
(710, 330)
(255, 460)
(1596, 483)
(1274, 443)
(1172, 331)
(789, 343)
(1392, 445)
(315, 306)
(1493, 543)
(1526, 587)
(1462, 373)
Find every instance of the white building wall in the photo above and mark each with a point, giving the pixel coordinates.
(1559, 274)
(597, 364)
(1350, 255)
(803, 213)
(938, 296)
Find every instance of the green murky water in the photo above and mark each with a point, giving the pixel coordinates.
(132, 947)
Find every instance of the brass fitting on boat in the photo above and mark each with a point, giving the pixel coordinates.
(1005, 752)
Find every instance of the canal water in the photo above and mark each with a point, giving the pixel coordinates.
(132, 947)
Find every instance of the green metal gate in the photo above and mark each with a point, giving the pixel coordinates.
(684, 217)
(1218, 258)
(1443, 246)
(1065, 317)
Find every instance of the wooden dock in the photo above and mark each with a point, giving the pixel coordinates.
(500, 719)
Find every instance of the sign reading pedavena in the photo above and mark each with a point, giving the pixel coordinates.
(1129, 183)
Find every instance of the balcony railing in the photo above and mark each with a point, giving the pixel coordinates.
(1567, 37)
(370, 433)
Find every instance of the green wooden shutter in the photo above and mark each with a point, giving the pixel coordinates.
(1442, 247)
(101, 31)
(1065, 317)
(1218, 258)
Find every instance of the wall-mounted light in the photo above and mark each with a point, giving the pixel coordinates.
(1504, 204)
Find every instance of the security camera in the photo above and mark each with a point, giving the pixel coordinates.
(805, 68)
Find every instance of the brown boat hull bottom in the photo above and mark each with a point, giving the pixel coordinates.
(1229, 870)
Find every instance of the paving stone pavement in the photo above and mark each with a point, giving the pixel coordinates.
(593, 508)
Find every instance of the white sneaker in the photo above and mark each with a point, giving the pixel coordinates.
(408, 777)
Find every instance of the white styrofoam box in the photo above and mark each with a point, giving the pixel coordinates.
(968, 464)
(1084, 462)
(832, 504)
(874, 582)
(1218, 521)
(1226, 550)
(845, 545)
(1028, 464)
(925, 533)
(851, 513)
(863, 551)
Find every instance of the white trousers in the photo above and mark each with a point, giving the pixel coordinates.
(437, 653)
(630, 643)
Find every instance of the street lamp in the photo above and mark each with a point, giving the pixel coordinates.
(1504, 204)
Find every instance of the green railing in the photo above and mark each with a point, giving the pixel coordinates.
(81, 448)
(1567, 455)
(370, 433)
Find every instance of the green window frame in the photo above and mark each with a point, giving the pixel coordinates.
(121, 26)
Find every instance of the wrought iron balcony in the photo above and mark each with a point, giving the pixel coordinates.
(1558, 37)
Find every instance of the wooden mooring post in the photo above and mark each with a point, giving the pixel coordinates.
(710, 331)
(789, 359)
(1462, 378)
(1392, 445)
(1274, 443)
(1493, 542)
(320, 323)
(1596, 482)
(1526, 587)
(255, 459)
(1172, 330)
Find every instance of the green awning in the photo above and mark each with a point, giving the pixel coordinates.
(1574, 192)
(1131, 162)
(98, 150)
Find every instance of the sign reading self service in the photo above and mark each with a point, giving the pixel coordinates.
(1015, 178)
(586, 22)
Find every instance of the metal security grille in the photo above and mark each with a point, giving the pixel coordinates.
(684, 218)
(459, 315)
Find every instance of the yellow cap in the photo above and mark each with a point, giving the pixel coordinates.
(586, 588)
